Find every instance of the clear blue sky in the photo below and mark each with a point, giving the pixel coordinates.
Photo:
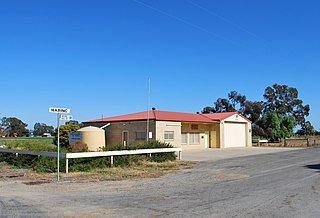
(95, 57)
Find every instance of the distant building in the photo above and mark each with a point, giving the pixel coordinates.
(46, 135)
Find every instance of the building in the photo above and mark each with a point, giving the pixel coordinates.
(187, 130)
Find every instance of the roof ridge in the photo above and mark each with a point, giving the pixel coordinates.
(205, 116)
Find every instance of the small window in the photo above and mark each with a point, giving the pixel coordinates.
(184, 138)
(140, 136)
(194, 126)
(168, 135)
(194, 138)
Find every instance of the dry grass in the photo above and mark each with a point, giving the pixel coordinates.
(140, 170)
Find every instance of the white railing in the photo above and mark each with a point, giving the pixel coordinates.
(110, 154)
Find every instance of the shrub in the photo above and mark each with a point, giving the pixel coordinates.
(123, 161)
(64, 134)
(78, 146)
(49, 164)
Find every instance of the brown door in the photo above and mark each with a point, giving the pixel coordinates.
(125, 138)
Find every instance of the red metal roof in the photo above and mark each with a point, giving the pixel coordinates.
(160, 115)
(224, 115)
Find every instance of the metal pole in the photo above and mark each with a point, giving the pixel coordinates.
(148, 111)
(58, 164)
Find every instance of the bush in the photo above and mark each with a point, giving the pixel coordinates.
(123, 161)
(148, 145)
(49, 164)
(78, 146)
(65, 130)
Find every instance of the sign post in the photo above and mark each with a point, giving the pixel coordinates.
(60, 116)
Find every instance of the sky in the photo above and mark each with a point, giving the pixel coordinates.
(96, 57)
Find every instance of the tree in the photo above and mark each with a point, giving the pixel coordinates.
(74, 122)
(3, 126)
(64, 134)
(40, 128)
(284, 100)
(207, 110)
(274, 126)
(14, 127)
(223, 105)
(307, 129)
(253, 110)
(237, 101)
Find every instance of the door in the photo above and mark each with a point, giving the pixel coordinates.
(206, 140)
(125, 137)
(234, 135)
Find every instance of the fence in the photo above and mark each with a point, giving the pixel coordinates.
(294, 142)
(110, 154)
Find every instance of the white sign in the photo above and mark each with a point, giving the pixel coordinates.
(75, 136)
(66, 117)
(59, 110)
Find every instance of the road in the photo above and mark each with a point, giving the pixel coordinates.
(282, 184)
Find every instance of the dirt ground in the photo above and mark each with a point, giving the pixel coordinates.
(139, 171)
(25, 193)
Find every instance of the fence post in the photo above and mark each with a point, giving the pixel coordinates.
(307, 142)
(67, 165)
(111, 160)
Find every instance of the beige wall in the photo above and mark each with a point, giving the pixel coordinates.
(241, 133)
(215, 136)
(162, 126)
(206, 133)
(249, 134)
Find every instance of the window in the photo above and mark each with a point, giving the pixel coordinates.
(184, 138)
(194, 126)
(194, 138)
(168, 135)
(141, 135)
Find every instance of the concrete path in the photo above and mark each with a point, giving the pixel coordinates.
(212, 154)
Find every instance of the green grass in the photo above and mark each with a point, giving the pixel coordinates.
(48, 164)
(30, 144)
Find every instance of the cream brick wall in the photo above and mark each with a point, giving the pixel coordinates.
(162, 126)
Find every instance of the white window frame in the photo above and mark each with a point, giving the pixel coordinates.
(192, 138)
(167, 133)
(184, 134)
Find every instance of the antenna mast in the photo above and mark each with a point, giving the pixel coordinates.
(148, 111)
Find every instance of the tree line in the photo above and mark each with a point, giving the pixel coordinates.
(274, 118)
(14, 127)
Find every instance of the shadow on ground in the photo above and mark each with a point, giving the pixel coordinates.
(314, 167)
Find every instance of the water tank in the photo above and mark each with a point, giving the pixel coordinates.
(94, 137)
